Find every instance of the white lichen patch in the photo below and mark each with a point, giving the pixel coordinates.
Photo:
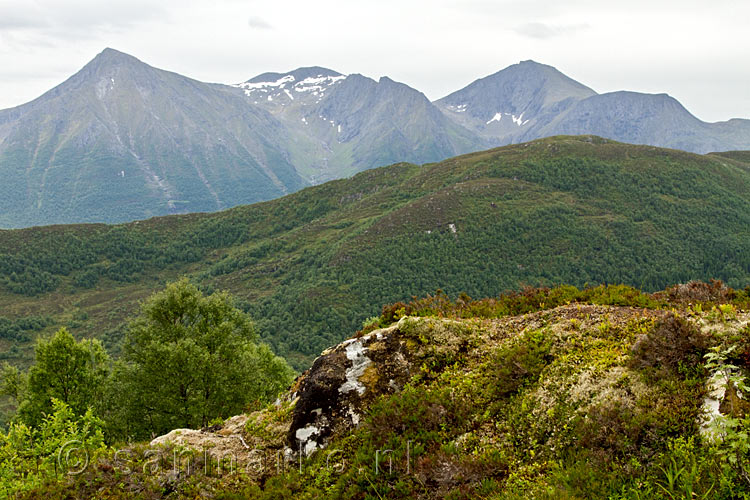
(353, 416)
(355, 352)
(616, 384)
(304, 435)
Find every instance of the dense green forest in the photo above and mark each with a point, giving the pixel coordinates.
(309, 267)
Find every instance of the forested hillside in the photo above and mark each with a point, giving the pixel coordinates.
(311, 266)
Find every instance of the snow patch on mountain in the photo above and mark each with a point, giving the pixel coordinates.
(317, 84)
(498, 116)
(519, 120)
(264, 86)
(284, 86)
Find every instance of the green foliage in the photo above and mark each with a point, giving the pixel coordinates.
(24, 278)
(583, 401)
(61, 443)
(733, 429)
(521, 302)
(21, 329)
(519, 363)
(188, 359)
(73, 372)
(671, 345)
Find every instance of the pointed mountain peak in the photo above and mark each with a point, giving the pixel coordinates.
(526, 87)
(537, 73)
(531, 62)
(389, 85)
(104, 67)
(359, 77)
(528, 74)
(112, 56)
(389, 81)
(108, 62)
(110, 52)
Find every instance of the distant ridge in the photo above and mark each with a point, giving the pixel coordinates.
(121, 140)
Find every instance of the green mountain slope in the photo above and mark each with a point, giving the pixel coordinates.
(312, 265)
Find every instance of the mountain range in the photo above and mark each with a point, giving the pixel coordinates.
(121, 140)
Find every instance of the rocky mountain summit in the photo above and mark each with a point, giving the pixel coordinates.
(504, 106)
(529, 100)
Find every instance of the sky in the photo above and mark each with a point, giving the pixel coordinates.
(694, 50)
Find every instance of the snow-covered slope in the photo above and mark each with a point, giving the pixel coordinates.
(304, 86)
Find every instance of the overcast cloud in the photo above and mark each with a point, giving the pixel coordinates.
(696, 51)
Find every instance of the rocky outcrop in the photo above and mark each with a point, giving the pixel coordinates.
(334, 395)
(451, 405)
(226, 440)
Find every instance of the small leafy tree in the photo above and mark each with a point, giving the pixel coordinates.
(188, 359)
(12, 387)
(70, 371)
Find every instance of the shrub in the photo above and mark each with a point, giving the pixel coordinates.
(519, 363)
(672, 343)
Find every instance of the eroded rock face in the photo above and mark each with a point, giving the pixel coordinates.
(227, 440)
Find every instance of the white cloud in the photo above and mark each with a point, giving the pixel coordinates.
(256, 22)
(75, 19)
(543, 30)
